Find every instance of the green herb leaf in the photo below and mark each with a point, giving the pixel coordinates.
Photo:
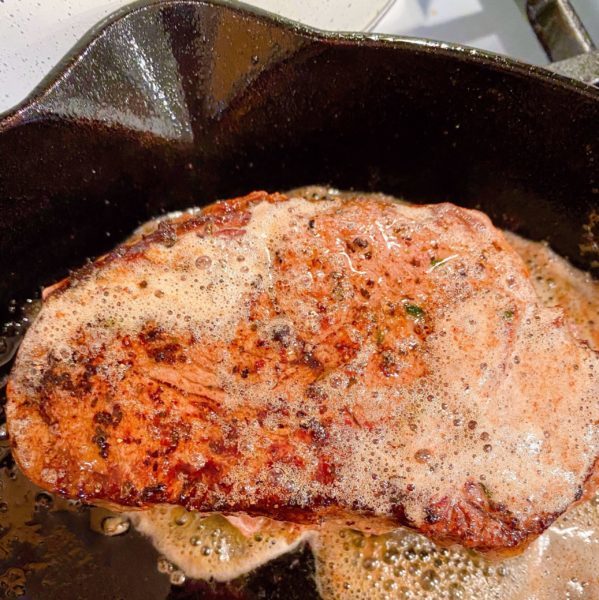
(413, 310)
(486, 490)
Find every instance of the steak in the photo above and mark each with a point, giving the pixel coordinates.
(313, 357)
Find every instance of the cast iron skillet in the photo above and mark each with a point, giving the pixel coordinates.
(177, 103)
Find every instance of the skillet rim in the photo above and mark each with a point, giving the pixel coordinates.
(18, 114)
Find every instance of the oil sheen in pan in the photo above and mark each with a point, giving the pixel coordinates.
(564, 562)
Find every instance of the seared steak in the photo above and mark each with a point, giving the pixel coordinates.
(307, 358)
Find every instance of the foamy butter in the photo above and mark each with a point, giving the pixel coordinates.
(200, 284)
(210, 546)
(562, 563)
(558, 283)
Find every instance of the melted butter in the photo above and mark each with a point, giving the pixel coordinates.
(562, 563)
(211, 547)
(558, 283)
(27, 548)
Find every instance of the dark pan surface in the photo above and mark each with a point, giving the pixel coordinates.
(181, 102)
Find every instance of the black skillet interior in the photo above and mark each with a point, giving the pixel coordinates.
(178, 103)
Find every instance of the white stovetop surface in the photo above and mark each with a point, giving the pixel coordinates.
(35, 34)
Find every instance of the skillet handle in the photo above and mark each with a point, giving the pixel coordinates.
(564, 39)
